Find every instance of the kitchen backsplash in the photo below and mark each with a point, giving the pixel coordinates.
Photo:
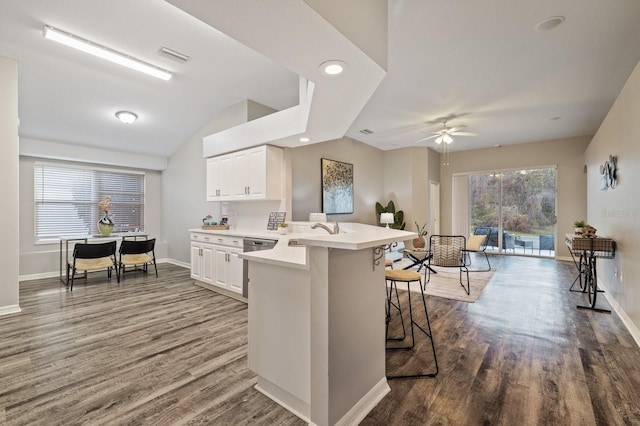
(251, 214)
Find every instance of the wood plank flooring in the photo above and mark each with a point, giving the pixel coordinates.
(162, 351)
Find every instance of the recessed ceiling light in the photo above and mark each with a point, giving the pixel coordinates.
(304, 139)
(549, 23)
(126, 117)
(333, 67)
(103, 52)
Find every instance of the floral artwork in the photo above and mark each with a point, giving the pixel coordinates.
(337, 187)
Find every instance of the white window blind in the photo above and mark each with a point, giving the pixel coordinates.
(66, 200)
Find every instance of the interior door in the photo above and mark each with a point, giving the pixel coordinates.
(434, 208)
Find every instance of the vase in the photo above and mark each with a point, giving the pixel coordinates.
(105, 225)
(419, 242)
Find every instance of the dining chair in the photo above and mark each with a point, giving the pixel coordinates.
(133, 253)
(448, 251)
(92, 257)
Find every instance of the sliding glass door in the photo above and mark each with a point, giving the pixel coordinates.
(518, 206)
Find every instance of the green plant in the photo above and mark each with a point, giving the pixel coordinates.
(398, 216)
(579, 224)
(422, 230)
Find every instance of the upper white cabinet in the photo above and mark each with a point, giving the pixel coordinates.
(251, 174)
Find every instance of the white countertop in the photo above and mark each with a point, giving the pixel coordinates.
(352, 236)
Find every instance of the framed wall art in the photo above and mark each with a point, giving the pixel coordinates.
(337, 187)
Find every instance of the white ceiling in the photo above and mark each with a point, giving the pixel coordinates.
(478, 62)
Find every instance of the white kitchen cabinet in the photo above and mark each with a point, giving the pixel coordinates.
(251, 174)
(219, 178)
(215, 262)
(228, 268)
(202, 266)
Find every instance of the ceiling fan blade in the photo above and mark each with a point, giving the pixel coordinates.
(455, 129)
(464, 134)
(427, 138)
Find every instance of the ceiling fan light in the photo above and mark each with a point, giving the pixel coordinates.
(447, 139)
(439, 140)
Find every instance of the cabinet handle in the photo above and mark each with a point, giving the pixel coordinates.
(248, 190)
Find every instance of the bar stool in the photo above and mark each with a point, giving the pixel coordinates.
(405, 276)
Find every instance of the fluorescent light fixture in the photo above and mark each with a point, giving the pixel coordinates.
(104, 52)
(303, 139)
(333, 67)
(127, 117)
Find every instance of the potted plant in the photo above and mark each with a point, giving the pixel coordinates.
(422, 232)
(578, 226)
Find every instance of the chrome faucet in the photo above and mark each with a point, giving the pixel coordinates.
(335, 230)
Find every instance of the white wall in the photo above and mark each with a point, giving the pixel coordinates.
(616, 212)
(38, 260)
(9, 193)
(567, 154)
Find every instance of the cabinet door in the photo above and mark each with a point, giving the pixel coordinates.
(220, 255)
(208, 267)
(235, 271)
(213, 178)
(226, 177)
(256, 172)
(196, 262)
(241, 173)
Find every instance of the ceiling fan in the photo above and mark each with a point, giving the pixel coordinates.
(446, 133)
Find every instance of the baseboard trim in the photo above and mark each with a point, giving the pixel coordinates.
(631, 327)
(10, 309)
(359, 411)
(57, 273)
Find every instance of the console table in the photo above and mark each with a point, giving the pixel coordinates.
(587, 250)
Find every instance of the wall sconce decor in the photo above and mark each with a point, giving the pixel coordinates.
(609, 172)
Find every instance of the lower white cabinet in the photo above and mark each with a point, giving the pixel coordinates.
(228, 267)
(202, 262)
(215, 261)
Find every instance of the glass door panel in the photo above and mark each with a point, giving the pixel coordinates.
(529, 211)
(519, 206)
(484, 202)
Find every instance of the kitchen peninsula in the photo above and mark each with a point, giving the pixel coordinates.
(317, 321)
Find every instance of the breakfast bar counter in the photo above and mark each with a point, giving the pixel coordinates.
(317, 322)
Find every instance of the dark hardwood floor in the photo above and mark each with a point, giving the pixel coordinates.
(162, 351)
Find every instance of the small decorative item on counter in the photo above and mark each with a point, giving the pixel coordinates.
(283, 228)
(209, 223)
(224, 220)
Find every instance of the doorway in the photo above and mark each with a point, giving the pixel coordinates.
(434, 208)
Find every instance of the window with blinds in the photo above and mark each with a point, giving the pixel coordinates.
(66, 200)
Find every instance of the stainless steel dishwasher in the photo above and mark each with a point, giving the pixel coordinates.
(253, 244)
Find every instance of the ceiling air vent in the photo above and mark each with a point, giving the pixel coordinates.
(173, 55)
(366, 131)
